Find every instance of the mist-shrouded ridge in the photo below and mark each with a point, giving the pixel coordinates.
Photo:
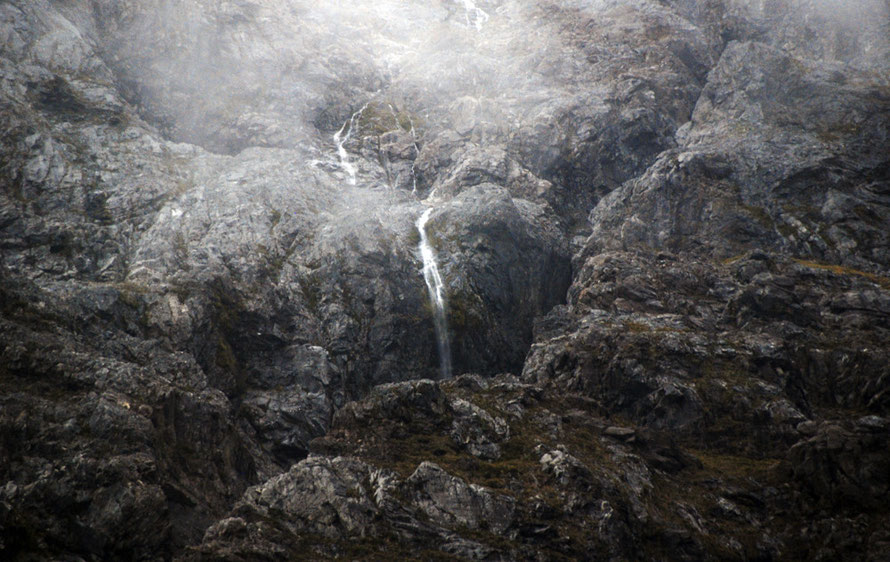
(455, 63)
(435, 287)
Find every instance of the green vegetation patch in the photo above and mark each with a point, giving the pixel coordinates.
(381, 117)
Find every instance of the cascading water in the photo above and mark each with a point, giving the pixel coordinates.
(435, 287)
(340, 140)
(475, 16)
(431, 276)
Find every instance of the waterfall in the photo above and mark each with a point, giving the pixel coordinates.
(475, 16)
(340, 140)
(435, 288)
(431, 275)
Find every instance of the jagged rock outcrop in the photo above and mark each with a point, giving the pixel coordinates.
(667, 219)
(707, 301)
(780, 154)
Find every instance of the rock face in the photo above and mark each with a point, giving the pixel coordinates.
(662, 228)
(762, 163)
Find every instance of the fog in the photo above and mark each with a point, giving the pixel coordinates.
(278, 72)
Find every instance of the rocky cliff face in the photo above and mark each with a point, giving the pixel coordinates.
(663, 229)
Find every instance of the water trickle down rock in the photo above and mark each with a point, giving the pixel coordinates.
(475, 16)
(435, 288)
(340, 140)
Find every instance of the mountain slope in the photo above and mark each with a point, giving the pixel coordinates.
(662, 229)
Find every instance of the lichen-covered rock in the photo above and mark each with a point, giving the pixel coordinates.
(841, 465)
(342, 498)
(477, 430)
(395, 402)
(451, 502)
(779, 154)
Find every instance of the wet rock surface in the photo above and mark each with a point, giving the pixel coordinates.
(662, 229)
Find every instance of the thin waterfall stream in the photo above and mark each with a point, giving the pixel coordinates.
(474, 15)
(431, 275)
(475, 18)
(340, 139)
(435, 287)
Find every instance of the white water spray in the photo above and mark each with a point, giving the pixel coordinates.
(340, 140)
(476, 17)
(435, 287)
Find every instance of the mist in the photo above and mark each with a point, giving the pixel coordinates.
(279, 73)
